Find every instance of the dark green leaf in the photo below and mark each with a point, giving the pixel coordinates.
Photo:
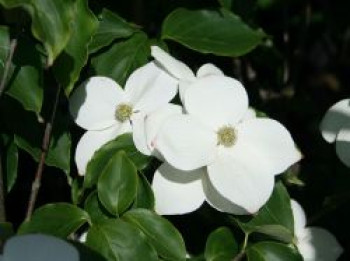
(29, 132)
(117, 185)
(116, 240)
(111, 27)
(272, 251)
(221, 245)
(86, 253)
(211, 31)
(95, 209)
(9, 157)
(275, 218)
(120, 60)
(162, 235)
(6, 230)
(226, 3)
(59, 219)
(74, 56)
(144, 197)
(50, 22)
(24, 80)
(101, 158)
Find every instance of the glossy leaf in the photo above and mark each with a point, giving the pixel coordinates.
(50, 22)
(59, 219)
(9, 157)
(29, 133)
(272, 251)
(95, 209)
(25, 77)
(117, 240)
(275, 218)
(221, 245)
(74, 56)
(211, 31)
(122, 58)
(162, 235)
(103, 156)
(144, 196)
(110, 28)
(117, 185)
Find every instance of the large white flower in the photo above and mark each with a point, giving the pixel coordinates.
(241, 154)
(38, 248)
(335, 127)
(314, 243)
(105, 110)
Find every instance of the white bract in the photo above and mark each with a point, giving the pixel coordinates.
(215, 152)
(314, 243)
(105, 110)
(38, 248)
(335, 127)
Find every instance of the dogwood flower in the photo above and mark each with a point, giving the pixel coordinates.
(181, 71)
(335, 127)
(314, 243)
(105, 110)
(38, 248)
(240, 155)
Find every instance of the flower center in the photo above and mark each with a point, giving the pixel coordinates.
(123, 112)
(227, 136)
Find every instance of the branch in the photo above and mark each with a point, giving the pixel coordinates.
(44, 149)
(13, 46)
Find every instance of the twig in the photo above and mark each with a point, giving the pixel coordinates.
(44, 149)
(13, 46)
(241, 254)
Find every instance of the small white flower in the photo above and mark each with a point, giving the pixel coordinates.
(335, 127)
(38, 248)
(314, 243)
(225, 156)
(105, 110)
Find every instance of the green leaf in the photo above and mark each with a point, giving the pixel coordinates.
(144, 197)
(272, 251)
(226, 3)
(221, 245)
(74, 56)
(101, 158)
(6, 230)
(117, 185)
(211, 31)
(111, 27)
(25, 78)
(29, 133)
(162, 235)
(50, 22)
(9, 157)
(275, 218)
(116, 240)
(95, 209)
(120, 60)
(59, 219)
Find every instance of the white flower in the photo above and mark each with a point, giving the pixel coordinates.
(219, 154)
(105, 110)
(335, 127)
(38, 248)
(181, 71)
(314, 243)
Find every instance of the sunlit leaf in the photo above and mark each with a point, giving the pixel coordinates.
(272, 251)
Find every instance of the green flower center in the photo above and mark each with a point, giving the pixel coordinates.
(227, 136)
(123, 112)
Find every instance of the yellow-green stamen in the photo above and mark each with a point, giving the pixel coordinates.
(123, 112)
(227, 136)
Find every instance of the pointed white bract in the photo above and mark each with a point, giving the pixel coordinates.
(38, 248)
(314, 243)
(236, 153)
(335, 127)
(105, 110)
